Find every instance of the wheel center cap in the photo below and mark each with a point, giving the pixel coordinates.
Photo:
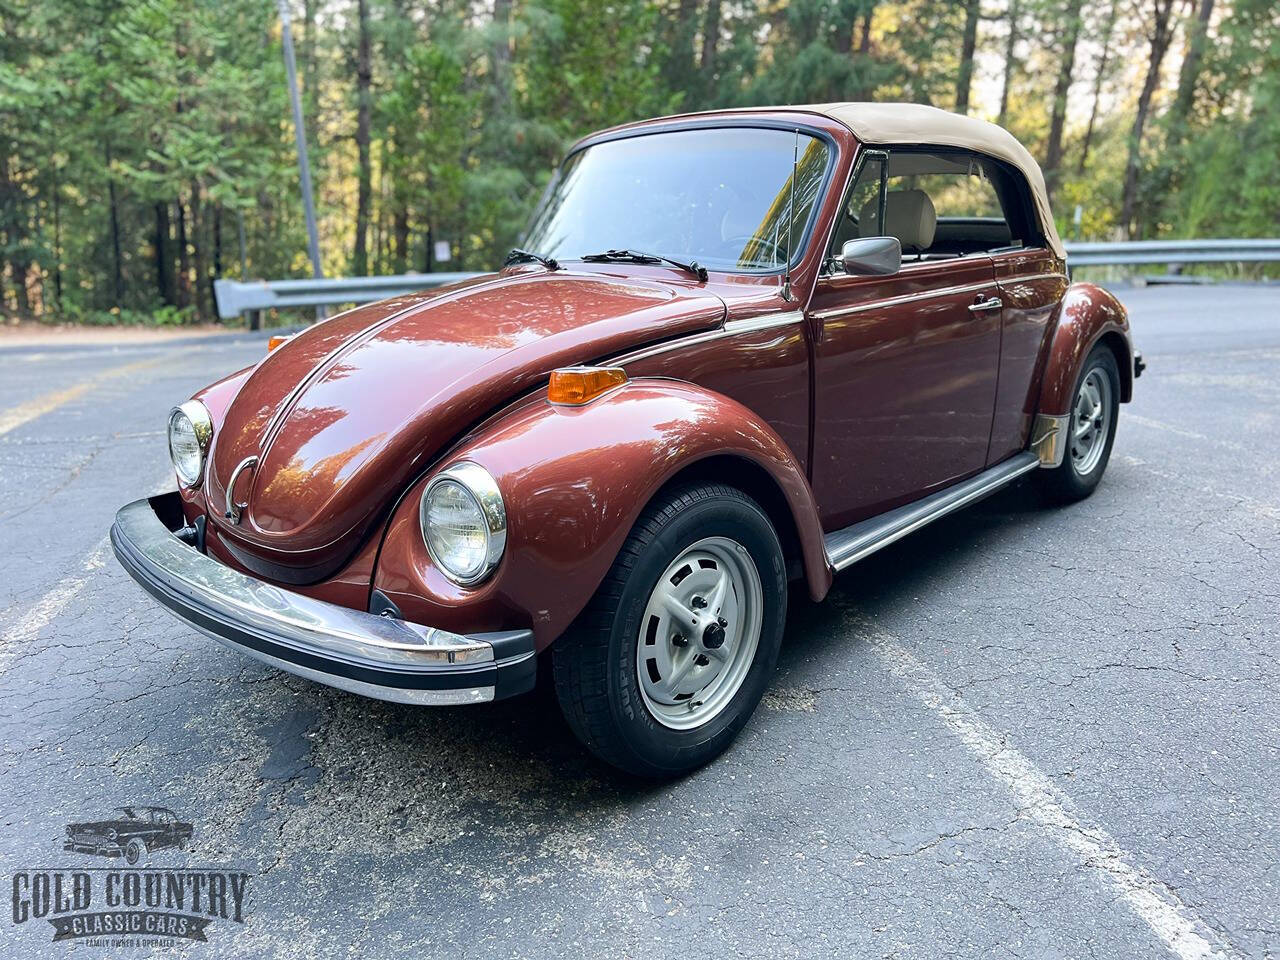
(713, 636)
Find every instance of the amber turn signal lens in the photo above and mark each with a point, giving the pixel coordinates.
(578, 385)
(275, 342)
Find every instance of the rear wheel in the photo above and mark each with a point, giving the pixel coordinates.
(670, 658)
(1091, 429)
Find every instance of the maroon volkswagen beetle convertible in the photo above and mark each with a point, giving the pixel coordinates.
(736, 349)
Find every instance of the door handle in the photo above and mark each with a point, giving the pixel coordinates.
(981, 306)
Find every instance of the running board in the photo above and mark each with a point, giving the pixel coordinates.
(848, 546)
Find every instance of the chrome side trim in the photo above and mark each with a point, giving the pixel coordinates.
(904, 298)
(1048, 439)
(848, 546)
(1032, 276)
(731, 329)
(766, 322)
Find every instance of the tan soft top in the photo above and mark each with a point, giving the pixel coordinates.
(913, 123)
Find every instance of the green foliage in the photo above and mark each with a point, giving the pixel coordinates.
(133, 136)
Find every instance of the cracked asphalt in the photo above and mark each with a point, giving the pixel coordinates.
(1022, 732)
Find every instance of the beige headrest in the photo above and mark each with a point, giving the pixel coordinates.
(908, 215)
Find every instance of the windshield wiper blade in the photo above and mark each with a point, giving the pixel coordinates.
(638, 256)
(525, 256)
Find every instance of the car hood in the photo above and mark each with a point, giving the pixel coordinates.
(343, 416)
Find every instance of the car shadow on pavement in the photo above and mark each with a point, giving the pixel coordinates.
(523, 747)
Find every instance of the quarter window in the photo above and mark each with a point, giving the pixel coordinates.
(939, 205)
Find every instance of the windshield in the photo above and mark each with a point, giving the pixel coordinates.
(720, 196)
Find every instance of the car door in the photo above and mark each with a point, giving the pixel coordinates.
(905, 366)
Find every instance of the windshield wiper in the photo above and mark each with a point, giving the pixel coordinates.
(525, 256)
(636, 256)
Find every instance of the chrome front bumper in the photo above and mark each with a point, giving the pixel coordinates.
(349, 649)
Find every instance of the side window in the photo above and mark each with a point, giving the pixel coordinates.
(940, 205)
(968, 216)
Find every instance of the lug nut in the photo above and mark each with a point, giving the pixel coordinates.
(701, 660)
(698, 603)
(680, 640)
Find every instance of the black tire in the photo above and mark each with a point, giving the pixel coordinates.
(1066, 483)
(135, 852)
(594, 663)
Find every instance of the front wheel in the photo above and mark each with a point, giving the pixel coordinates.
(670, 658)
(134, 852)
(1091, 430)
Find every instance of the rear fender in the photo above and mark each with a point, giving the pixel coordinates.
(574, 480)
(1087, 316)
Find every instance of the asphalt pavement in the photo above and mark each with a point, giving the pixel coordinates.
(1022, 732)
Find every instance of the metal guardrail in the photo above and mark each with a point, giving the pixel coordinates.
(1133, 252)
(236, 297)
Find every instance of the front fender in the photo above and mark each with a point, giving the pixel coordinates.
(574, 480)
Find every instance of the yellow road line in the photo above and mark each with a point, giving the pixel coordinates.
(15, 417)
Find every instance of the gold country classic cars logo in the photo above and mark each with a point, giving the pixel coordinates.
(133, 904)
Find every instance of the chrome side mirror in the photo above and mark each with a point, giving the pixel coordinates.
(872, 256)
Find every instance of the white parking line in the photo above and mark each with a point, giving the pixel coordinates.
(1045, 805)
(27, 626)
(15, 417)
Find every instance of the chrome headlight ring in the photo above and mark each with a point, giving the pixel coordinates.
(189, 423)
(488, 522)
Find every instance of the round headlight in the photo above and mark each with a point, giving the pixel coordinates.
(464, 522)
(190, 429)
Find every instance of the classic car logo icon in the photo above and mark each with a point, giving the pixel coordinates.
(129, 904)
(132, 832)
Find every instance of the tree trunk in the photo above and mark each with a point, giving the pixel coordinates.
(164, 255)
(710, 41)
(117, 255)
(310, 89)
(964, 79)
(1189, 74)
(501, 56)
(57, 241)
(184, 258)
(1107, 31)
(1058, 118)
(1160, 37)
(14, 235)
(679, 34)
(217, 240)
(364, 188)
(865, 88)
(1010, 45)
(200, 254)
(864, 41)
(400, 234)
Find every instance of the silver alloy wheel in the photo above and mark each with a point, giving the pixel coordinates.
(699, 633)
(1090, 421)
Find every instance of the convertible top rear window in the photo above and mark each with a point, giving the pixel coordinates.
(722, 196)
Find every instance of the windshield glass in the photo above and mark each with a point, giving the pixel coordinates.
(719, 196)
